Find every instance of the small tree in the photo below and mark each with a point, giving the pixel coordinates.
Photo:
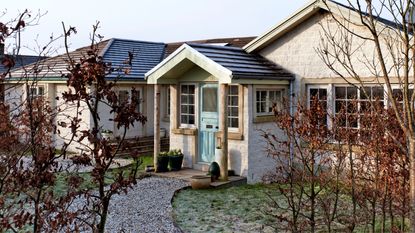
(88, 84)
(345, 40)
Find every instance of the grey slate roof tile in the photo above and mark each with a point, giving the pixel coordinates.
(241, 63)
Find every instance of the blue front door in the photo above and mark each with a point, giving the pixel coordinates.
(208, 124)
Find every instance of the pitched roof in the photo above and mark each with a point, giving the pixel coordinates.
(240, 63)
(54, 67)
(228, 64)
(22, 60)
(302, 15)
(145, 55)
(234, 42)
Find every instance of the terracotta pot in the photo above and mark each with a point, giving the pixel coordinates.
(200, 182)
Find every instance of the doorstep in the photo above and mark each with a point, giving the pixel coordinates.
(186, 173)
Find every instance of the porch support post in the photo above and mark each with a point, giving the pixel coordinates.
(156, 123)
(223, 127)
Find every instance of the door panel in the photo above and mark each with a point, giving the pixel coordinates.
(208, 122)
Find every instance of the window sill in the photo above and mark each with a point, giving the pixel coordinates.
(263, 119)
(231, 136)
(184, 131)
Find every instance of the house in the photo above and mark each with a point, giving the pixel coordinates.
(222, 97)
(45, 78)
(19, 61)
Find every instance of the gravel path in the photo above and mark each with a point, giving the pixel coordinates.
(145, 208)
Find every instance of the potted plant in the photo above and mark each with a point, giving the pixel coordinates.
(106, 134)
(162, 162)
(175, 160)
(214, 171)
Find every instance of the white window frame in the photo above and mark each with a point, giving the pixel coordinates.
(183, 125)
(395, 87)
(282, 91)
(328, 99)
(238, 117)
(129, 90)
(359, 101)
(36, 87)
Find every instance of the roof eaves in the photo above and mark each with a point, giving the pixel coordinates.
(310, 8)
(303, 14)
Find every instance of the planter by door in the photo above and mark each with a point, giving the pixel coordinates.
(175, 162)
(162, 163)
(200, 182)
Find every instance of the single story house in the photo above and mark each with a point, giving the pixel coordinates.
(19, 61)
(221, 97)
(45, 78)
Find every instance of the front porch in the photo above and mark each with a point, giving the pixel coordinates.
(186, 173)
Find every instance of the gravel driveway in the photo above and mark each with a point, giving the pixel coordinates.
(145, 208)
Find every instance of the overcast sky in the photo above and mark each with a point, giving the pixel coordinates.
(150, 20)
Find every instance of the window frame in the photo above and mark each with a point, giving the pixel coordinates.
(282, 91)
(129, 90)
(328, 99)
(359, 100)
(36, 87)
(195, 96)
(238, 106)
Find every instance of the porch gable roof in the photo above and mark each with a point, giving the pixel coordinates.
(226, 63)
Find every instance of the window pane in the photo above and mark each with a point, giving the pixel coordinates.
(351, 92)
(314, 92)
(191, 109)
(378, 93)
(234, 101)
(191, 119)
(184, 119)
(233, 90)
(191, 89)
(364, 95)
(322, 94)
(183, 109)
(41, 91)
(340, 105)
(234, 111)
(340, 92)
(122, 96)
(184, 99)
(234, 123)
(185, 89)
(210, 99)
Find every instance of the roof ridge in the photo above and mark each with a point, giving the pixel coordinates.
(215, 46)
(139, 41)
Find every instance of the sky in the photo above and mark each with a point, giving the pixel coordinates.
(148, 20)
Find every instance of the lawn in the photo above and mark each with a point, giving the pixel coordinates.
(235, 209)
(61, 186)
(241, 209)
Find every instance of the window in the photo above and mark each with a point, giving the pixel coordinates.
(187, 104)
(233, 106)
(319, 95)
(266, 100)
(168, 99)
(351, 103)
(124, 98)
(36, 92)
(398, 94)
